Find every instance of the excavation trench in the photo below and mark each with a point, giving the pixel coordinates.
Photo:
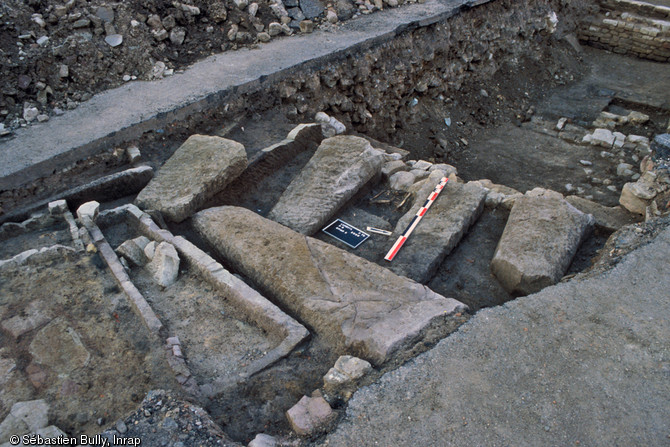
(482, 92)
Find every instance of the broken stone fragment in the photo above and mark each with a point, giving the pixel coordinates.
(165, 264)
(391, 167)
(401, 181)
(24, 417)
(341, 166)
(133, 250)
(263, 440)
(541, 237)
(330, 126)
(57, 207)
(342, 379)
(310, 415)
(88, 210)
(607, 218)
(217, 162)
(150, 250)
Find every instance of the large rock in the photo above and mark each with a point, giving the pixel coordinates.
(456, 208)
(610, 218)
(199, 169)
(341, 166)
(357, 307)
(541, 237)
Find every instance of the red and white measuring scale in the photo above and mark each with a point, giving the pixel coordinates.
(417, 218)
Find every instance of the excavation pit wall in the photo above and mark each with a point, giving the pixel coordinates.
(633, 28)
(371, 86)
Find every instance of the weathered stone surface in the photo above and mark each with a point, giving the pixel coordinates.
(133, 250)
(309, 415)
(34, 315)
(263, 440)
(355, 305)
(456, 208)
(341, 166)
(401, 181)
(541, 237)
(342, 378)
(391, 167)
(59, 347)
(88, 210)
(609, 218)
(200, 168)
(165, 264)
(24, 417)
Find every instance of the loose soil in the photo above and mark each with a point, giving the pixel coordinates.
(124, 364)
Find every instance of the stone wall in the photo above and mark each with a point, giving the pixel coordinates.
(372, 92)
(630, 27)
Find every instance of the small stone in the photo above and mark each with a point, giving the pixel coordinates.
(241, 4)
(391, 167)
(30, 113)
(484, 93)
(253, 9)
(160, 34)
(150, 250)
(586, 163)
(88, 210)
(331, 16)
(401, 181)
(121, 427)
(309, 415)
(263, 440)
(57, 207)
(42, 117)
(43, 41)
(637, 118)
(91, 248)
(106, 14)
(133, 154)
(154, 21)
(274, 29)
(624, 170)
(159, 69)
(264, 37)
(114, 40)
(306, 26)
(81, 23)
(177, 35)
(446, 168)
(561, 123)
(126, 78)
(63, 71)
(422, 164)
(602, 137)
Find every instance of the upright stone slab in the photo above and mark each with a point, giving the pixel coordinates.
(341, 166)
(541, 237)
(442, 227)
(199, 169)
(358, 307)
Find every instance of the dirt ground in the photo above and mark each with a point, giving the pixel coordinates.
(105, 362)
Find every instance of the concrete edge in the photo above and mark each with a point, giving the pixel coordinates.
(421, 15)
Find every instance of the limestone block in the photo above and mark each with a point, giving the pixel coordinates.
(200, 168)
(541, 237)
(456, 208)
(165, 264)
(309, 415)
(341, 166)
(357, 306)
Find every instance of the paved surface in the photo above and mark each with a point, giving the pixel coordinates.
(124, 113)
(580, 363)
